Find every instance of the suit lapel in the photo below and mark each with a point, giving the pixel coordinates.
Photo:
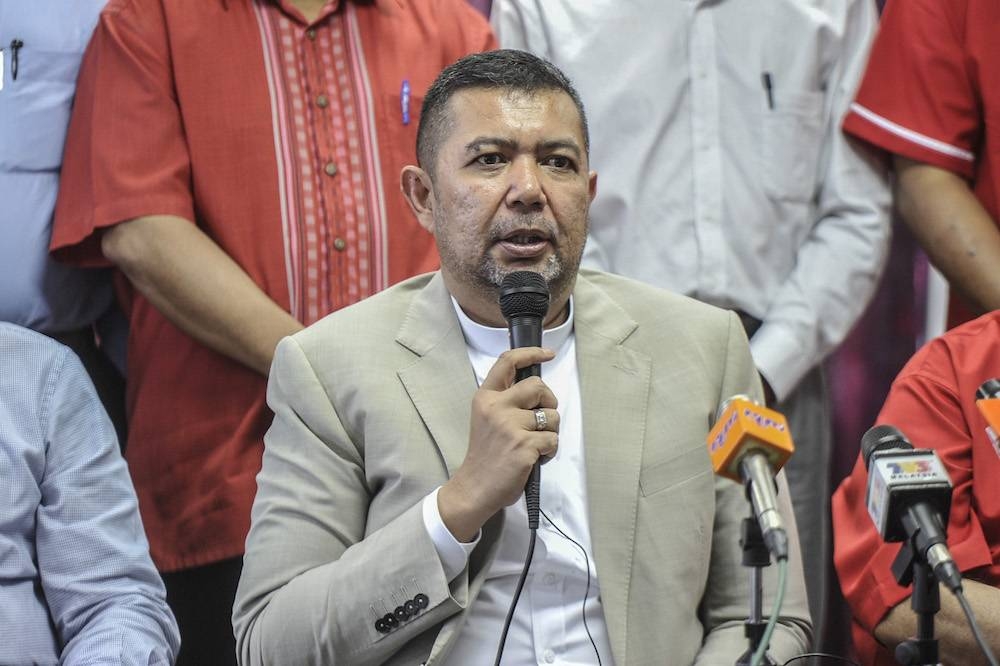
(614, 389)
(441, 382)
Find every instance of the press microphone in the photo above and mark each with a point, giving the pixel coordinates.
(909, 497)
(524, 302)
(749, 443)
(988, 402)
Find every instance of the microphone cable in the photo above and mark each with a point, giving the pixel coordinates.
(532, 536)
(779, 600)
(586, 592)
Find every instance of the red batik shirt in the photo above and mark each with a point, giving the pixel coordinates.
(283, 141)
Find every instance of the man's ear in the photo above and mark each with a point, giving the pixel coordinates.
(416, 186)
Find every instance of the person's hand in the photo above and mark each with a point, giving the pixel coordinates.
(504, 443)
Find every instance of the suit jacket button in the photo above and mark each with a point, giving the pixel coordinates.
(381, 627)
(390, 620)
(411, 608)
(421, 601)
(401, 614)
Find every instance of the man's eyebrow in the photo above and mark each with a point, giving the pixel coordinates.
(509, 144)
(476, 144)
(561, 144)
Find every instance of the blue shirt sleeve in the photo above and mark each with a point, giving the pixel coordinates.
(106, 599)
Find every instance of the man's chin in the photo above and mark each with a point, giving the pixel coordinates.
(495, 274)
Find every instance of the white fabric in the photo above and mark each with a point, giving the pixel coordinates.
(705, 189)
(547, 627)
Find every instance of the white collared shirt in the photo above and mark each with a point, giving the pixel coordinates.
(547, 627)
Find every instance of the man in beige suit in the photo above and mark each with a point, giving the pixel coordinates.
(388, 525)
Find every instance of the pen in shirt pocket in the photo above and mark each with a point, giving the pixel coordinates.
(404, 101)
(768, 82)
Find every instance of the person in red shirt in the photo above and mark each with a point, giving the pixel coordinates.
(933, 402)
(931, 97)
(238, 161)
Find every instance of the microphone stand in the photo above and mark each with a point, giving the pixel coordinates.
(926, 601)
(755, 557)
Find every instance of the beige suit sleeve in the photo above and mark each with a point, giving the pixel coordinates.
(314, 580)
(725, 604)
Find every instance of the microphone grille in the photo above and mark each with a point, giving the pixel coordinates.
(881, 437)
(524, 294)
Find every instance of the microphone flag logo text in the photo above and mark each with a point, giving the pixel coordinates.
(746, 424)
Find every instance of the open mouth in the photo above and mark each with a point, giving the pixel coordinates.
(525, 238)
(525, 244)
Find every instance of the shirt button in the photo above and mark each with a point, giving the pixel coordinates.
(339, 244)
(330, 169)
(549, 656)
(549, 579)
(311, 34)
(322, 102)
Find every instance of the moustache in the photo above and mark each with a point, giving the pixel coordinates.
(505, 227)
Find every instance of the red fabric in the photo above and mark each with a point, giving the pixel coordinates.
(933, 402)
(932, 71)
(185, 108)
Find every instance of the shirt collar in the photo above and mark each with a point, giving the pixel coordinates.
(495, 341)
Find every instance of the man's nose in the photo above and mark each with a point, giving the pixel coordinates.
(525, 189)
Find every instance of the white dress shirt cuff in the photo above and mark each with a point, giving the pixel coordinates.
(780, 358)
(453, 553)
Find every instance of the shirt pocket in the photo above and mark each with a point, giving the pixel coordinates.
(675, 471)
(400, 116)
(38, 105)
(791, 137)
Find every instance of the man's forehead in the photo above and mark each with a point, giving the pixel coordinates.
(505, 113)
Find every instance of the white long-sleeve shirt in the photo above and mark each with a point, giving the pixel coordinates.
(713, 184)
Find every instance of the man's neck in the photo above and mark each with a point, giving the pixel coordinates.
(310, 9)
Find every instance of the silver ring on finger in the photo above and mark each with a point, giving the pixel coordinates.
(541, 420)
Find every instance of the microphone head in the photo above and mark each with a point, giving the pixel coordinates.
(524, 294)
(745, 427)
(880, 438)
(989, 389)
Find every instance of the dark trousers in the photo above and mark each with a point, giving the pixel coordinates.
(202, 601)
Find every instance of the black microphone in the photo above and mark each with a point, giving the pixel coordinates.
(524, 302)
(909, 498)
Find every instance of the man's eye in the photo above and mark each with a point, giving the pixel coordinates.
(491, 159)
(559, 162)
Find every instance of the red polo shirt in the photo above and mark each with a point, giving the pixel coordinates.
(933, 402)
(931, 93)
(283, 141)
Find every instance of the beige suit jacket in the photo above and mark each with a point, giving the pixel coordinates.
(372, 412)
